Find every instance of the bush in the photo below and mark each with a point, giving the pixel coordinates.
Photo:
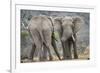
(24, 34)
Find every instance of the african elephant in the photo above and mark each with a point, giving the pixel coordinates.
(67, 27)
(41, 31)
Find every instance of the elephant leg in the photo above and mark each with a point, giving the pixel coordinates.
(55, 48)
(64, 50)
(32, 52)
(41, 54)
(38, 42)
(67, 49)
(48, 49)
(75, 50)
(45, 53)
(47, 41)
(70, 47)
(64, 54)
(75, 47)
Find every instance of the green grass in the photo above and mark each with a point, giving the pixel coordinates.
(24, 34)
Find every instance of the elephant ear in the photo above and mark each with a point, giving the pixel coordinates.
(77, 22)
(58, 20)
(58, 24)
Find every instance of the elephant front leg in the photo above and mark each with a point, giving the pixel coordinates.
(65, 50)
(68, 49)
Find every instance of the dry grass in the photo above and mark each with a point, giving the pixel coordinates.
(82, 56)
(85, 54)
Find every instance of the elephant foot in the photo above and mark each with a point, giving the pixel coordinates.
(45, 59)
(64, 58)
(67, 58)
(75, 57)
(59, 58)
(50, 58)
(41, 59)
(31, 60)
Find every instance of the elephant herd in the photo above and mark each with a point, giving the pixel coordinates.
(41, 29)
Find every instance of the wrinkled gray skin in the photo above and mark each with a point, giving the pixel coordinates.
(67, 28)
(41, 31)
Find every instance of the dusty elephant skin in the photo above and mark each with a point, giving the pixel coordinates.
(67, 28)
(41, 31)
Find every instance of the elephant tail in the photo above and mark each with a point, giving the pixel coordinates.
(50, 18)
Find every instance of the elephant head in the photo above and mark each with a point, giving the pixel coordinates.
(67, 28)
(68, 25)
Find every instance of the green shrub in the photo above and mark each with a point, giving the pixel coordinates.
(24, 34)
(56, 35)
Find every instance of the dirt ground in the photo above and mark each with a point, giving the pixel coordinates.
(81, 56)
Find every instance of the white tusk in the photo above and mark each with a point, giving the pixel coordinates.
(73, 38)
(24, 26)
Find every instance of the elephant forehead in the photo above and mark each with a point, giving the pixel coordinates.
(67, 24)
(68, 19)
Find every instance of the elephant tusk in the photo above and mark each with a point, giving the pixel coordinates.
(73, 38)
